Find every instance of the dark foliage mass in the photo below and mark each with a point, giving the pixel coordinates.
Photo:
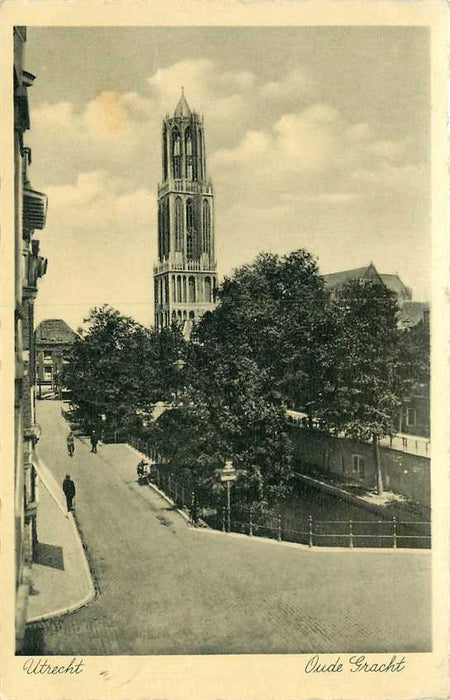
(276, 338)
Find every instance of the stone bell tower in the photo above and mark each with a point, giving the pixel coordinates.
(185, 277)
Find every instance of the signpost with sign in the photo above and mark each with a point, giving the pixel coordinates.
(228, 475)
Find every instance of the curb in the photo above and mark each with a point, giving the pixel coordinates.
(88, 597)
(315, 549)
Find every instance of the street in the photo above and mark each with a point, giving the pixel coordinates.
(166, 588)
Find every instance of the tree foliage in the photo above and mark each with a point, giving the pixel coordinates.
(118, 369)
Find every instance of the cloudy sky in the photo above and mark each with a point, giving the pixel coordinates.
(316, 138)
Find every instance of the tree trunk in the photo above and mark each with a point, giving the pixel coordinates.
(376, 449)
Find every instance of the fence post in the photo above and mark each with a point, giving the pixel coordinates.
(223, 518)
(169, 485)
(310, 531)
(394, 532)
(158, 481)
(350, 533)
(279, 528)
(182, 496)
(250, 526)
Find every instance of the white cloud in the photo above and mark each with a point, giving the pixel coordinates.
(296, 85)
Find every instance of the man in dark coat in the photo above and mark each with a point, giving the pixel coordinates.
(69, 491)
(94, 441)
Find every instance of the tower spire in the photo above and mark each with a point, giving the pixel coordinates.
(182, 109)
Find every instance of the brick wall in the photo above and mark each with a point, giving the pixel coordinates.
(403, 473)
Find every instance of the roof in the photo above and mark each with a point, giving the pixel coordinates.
(182, 109)
(54, 330)
(336, 279)
(394, 283)
(412, 313)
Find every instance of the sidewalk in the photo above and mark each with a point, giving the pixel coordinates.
(61, 581)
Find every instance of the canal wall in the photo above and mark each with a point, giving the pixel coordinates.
(403, 473)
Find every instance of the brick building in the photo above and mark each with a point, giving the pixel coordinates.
(30, 208)
(54, 340)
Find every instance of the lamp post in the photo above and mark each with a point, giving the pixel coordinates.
(228, 475)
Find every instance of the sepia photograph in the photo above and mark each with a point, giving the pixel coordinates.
(223, 314)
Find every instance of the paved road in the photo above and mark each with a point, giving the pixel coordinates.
(166, 588)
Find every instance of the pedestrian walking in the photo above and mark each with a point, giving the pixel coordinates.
(69, 491)
(70, 444)
(94, 441)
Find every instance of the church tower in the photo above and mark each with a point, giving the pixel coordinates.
(185, 277)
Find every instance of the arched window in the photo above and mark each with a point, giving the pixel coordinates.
(179, 314)
(166, 227)
(184, 289)
(200, 154)
(176, 154)
(190, 229)
(156, 292)
(164, 151)
(192, 295)
(184, 314)
(206, 227)
(208, 290)
(188, 151)
(191, 314)
(160, 233)
(179, 297)
(174, 289)
(178, 224)
(166, 290)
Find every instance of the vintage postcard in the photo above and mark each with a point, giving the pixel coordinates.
(223, 350)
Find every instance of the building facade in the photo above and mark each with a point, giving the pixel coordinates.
(30, 209)
(185, 277)
(53, 341)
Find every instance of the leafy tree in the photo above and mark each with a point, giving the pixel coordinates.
(362, 395)
(224, 415)
(271, 311)
(119, 369)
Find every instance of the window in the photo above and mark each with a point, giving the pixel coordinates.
(166, 242)
(190, 229)
(411, 417)
(200, 154)
(208, 292)
(206, 227)
(188, 147)
(176, 154)
(179, 297)
(178, 224)
(164, 152)
(358, 465)
(192, 295)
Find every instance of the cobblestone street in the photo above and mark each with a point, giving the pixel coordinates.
(165, 588)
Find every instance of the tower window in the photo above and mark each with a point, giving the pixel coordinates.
(208, 291)
(164, 152)
(179, 297)
(166, 228)
(178, 224)
(190, 229)
(206, 227)
(200, 154)
(176, 154)
(192, 295)
(188, 150)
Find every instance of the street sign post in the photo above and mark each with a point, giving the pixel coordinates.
(228, 475)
